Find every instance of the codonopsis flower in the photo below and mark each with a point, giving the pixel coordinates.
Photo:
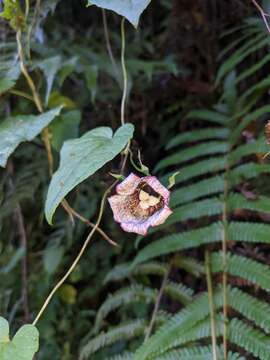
(140, 203)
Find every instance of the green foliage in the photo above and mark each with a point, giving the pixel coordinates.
(13, 13)
(131, 9)
(21, 128)
(218, 192)
(24, 344)
(80, 158)
(146, 299)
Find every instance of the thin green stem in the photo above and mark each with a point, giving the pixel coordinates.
(26, 74)
(27, 7)
(211, 305)
(78, 257)
(124, 70)
(22, 94)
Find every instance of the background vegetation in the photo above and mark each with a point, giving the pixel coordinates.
(195, 288)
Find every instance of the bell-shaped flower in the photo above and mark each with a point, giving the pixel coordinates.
(140, 203)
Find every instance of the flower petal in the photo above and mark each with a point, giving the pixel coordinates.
(141, 226)
(160, 216)
(121, 211)
(129, 185)
(158, 187)
(135, 227)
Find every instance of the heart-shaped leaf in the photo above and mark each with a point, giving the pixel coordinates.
(130, 9)
(24, 344)
(81, 158)
(15, 130)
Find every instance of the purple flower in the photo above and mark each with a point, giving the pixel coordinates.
(140, 203)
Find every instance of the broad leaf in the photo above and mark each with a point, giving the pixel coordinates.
(130, 9)
(15, 130)
(50, 67)
(65, 127)
(81, 158)
(24, 344)
(8, 80)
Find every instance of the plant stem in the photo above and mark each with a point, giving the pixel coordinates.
(211, 305)
(73, 212)
(22, 94)
(26, 74)
(78, 257)
(263, 14)
(124, 70)
(37, 100)
(157, 303)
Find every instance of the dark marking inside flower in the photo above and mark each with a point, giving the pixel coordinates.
(134, 202)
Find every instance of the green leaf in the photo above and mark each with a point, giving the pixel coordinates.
(4, 331)
(65, 127)
(50, 67)
(13, 13)
(21, 128)
(130, 9)
(81, 158)
(24, 344)
(8, 80)
(52, 257)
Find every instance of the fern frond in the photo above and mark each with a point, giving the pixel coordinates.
(125, 356)
(196, 353)
(203, 167)
(250, 307)
(253, 69)
(236, 134)
(247, 171)
(123, 332)
(238, 201)
(200, 330)
(176, 242)
(250, 339)
(179, 324)
(239, 55)
(200, 150)
(179, 292)
(189, 264)
(117, 273)
(200, 189)
(233, 44)
(131, 294)
(195, 210)
(256, 88)
(122, 271)
(248, 269)
(209, 115)
(198, 135)
(249, 232)
(258, 146)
